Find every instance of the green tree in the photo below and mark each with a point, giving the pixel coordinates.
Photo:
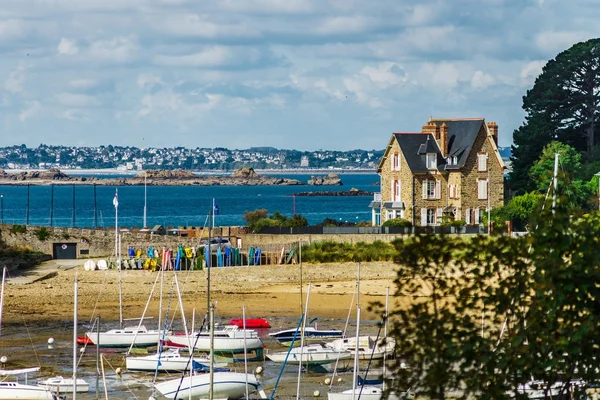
(562, 106)
(484, 315)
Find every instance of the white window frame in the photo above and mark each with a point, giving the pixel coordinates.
(431, 160)
(454, 160)
(431, 216)
(482, 189)
(396, 162)
(397, 190)
(432, 189)
(482, 162)
(468, 216)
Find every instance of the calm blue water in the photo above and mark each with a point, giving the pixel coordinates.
(182, 206)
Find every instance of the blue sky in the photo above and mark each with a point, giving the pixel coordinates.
(304, 74)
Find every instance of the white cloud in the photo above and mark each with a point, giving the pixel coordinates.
(213, 57)
(481, 80)
(203, 26)
(442, 75)
(15, 80)
(530, 71)
(67, 47)
(552, 42)
(30, 111)
(83, 84)
(76, 100)
(118, 49)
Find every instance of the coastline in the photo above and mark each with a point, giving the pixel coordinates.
(265, 291)
(115, 171)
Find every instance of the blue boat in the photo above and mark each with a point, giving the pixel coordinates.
(311, 334)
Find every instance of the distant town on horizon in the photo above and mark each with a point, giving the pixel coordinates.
(127, 158)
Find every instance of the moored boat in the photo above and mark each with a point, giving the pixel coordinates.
(170, 360)
(59, 384)
(140, 336)
(251, 323)
(226, 385)
(313, 354)
(369, 347)
(230, 339)
(311, 334)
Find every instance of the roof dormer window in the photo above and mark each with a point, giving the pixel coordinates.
(431, 160)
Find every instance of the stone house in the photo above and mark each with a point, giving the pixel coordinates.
(452, 168)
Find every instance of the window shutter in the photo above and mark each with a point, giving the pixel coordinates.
(423, 217)
(468, 216)
(392, 188)
(425, 188)
(438, 189)
(398, 190)
(477, 216)
(451, 191)
(440, 213)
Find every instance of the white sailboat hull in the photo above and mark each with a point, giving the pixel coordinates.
(17, 391)
(367, 393)
(367, 348)
(64, 385)
(311, 354)
(170, 361)
(230, 339)
(226, 385)
(125, 337)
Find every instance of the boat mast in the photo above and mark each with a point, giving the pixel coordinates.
(302, 352)
(75, 340)
(555, 182)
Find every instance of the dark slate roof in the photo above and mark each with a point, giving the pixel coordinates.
(413, 144)
(461, 136)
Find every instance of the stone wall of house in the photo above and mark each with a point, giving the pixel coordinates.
(404, 174)
(468, 188)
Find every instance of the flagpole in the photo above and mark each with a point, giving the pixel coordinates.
(116, 204)
(213, 213)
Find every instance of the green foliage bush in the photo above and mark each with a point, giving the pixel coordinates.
(329, 251)
(18, 229)
(259, 219)
(397, 222)
(42, 233)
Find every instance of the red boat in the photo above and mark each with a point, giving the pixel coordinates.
(81, 340)
(251, 323)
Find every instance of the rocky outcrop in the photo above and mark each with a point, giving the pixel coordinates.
(241, 177)
(351, 192)
(329, 180)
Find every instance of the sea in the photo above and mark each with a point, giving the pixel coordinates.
(74, 205)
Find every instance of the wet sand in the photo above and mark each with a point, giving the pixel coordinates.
(264, 291)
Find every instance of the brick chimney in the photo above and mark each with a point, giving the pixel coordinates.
(493, 128)
(431, 128)
(443, 140)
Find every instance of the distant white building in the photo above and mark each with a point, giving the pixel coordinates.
(304, 161)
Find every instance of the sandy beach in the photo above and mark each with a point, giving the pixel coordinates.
(264, 291)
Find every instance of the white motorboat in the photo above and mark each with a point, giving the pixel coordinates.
(538, 389)
(170, 360)
(226, 385)
(229, 339)
(367, 348)
(140, 336)
(15, 391)
(59, 384)
(314, 354)
(311, 334)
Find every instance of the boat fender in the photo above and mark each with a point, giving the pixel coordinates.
(316, 393)
(327, 381)
(258, 370)
(3, 359)
(118, 371)
(50, 340)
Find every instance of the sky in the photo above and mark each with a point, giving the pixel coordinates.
(290, 74)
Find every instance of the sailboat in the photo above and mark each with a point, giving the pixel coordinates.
(68, 385)
(136, 335)
(218, 385)
(364, 392)
(214, 385)
(15, 390)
